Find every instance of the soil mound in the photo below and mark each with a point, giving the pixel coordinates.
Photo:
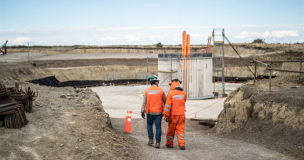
(66, 123)
(273, 119)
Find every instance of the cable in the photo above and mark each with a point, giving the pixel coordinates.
(206, 107)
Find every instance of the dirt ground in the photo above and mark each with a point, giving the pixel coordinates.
(271, 119)
(69, 123)
(66, 123)
(201, 143)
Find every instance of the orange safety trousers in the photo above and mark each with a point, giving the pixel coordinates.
(176, 124)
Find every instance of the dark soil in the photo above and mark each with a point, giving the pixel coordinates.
(92, 62)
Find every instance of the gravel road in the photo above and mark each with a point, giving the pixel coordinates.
(200, 144)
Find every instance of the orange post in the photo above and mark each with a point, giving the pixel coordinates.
(188, 46)
(184, 44)
(188, 63)
(184, 62)
(128, 122)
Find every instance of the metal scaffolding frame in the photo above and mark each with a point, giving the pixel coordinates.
(219, 60)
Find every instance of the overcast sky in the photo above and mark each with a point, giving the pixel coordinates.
(140, 22)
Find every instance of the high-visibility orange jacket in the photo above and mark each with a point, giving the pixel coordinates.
(175, 104)
(154, 104)
(173, 84)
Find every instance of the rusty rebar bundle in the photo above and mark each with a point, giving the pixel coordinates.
(12, 111)
(26, 98)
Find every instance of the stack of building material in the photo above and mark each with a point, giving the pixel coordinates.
(26, 98)
(12, 112)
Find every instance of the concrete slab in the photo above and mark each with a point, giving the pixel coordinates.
(229, 87)
(41, 56)
(97, 56)
(10, 57)
(117, 100)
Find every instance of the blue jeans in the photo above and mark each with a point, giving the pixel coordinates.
(150, 120)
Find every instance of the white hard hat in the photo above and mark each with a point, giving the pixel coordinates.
(155, 78)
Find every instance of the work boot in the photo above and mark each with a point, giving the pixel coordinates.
(182, 147)
(150, 142)
(157, 145)
(168, 146)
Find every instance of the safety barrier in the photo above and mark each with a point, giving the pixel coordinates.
(129, 113)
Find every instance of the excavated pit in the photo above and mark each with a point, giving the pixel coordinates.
(270, 126)
(54, 82)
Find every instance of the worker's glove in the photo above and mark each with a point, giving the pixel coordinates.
(143, 115)
(166, 119)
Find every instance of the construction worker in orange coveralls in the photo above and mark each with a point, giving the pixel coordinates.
(174, 114)
(153, 106)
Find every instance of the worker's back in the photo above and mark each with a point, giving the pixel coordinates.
(177, 98)
(154, 103)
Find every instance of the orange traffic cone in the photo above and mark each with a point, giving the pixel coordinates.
(128, 122)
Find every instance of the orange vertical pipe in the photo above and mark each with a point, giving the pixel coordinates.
(184, 44)
(188, 45)
(184, 64)
(188, 63)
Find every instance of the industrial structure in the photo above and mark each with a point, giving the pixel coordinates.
(3, 48)
(219, 61)
(194, 70)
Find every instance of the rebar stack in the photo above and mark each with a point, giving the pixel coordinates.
(26, 98)
(12, 111)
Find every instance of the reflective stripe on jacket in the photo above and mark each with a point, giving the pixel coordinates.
(175, 104)
(154, 102)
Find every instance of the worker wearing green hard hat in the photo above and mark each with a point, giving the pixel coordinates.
(153, 106)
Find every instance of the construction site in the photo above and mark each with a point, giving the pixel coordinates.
(244, 100)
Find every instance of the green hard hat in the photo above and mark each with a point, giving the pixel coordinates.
(151, 77)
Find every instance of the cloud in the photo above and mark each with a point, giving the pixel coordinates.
(109, 38)
(153, 37)
(20, 40)
(284, 33)
(301, 40)
(117, 28)
(163, 27)
(129, 38)
(105, 28)
(273, 34)
(245, 34)
(196, 36)
(142, 35)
